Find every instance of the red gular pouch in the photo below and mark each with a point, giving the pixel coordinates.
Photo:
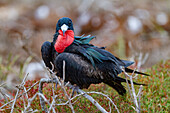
(64, 41)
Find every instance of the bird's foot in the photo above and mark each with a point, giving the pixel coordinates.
(75, 89)
(55, 81)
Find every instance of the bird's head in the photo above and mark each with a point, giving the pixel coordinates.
(64, 24)
(65, 34)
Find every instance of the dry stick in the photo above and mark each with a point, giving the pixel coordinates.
(20, 95)
(26, 93)
(82, 93)
(85, 95)
(62, 84)
(93, 101)
(62, 87)
(139, 60)
(110, 109)
(42, 81)
(139, 96)
(52, 103)
(145, 58)
(18, 90)
(133, 92)
(110, 100)
(51, 106)
(29, 102)
(42, 96)
(129, 88)
(4, 95)
(128, 83)
(2, 84)
(79, 91)
(64, 63)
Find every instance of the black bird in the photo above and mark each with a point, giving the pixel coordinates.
(85, 63)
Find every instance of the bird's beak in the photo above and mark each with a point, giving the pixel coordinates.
(64, 28)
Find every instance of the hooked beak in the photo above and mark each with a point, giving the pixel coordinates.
(64, 28)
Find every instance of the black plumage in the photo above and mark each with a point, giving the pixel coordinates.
(85, 63)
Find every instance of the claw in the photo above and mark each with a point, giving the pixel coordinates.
(56, 84)
(55, 81)
(74, 88)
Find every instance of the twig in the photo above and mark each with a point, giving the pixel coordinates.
(62, 87)
(139, 96)
(64, 63)
(53, 102)
(42, 81)
(4, 95)
(19, 95)
(2, 84)
(69, 103)
(110, 100)
(29, 102)
(51, 106)
(145, 58)
(18, 90)
(139, 61)
(88, 97)
(133, 92)
(129, 88)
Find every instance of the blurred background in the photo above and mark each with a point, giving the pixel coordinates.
(137, 30)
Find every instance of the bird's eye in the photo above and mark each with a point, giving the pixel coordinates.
(69, 23)
(59, 24)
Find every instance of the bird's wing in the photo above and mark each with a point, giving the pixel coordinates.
(93, 53)
(77, 70)
(46, 52)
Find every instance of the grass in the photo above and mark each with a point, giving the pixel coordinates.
(155, 96)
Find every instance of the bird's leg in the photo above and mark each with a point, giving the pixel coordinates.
(55, 81)
(74, 88)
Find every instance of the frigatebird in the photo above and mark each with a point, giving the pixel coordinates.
(85, 64)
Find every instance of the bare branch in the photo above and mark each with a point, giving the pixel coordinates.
(134, 98)
(139, 96)
(18, 90)
(2, 84)
(42, 81)
(69, 99)
(20, 95)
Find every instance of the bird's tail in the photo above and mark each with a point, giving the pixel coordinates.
(119, 79)
(137, 72)
(117, 86)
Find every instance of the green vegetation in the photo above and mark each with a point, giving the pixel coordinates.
(8, 66)
(155, 96)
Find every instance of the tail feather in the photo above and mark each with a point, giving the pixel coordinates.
(131, 71)
(117, 86)
(124, 80)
